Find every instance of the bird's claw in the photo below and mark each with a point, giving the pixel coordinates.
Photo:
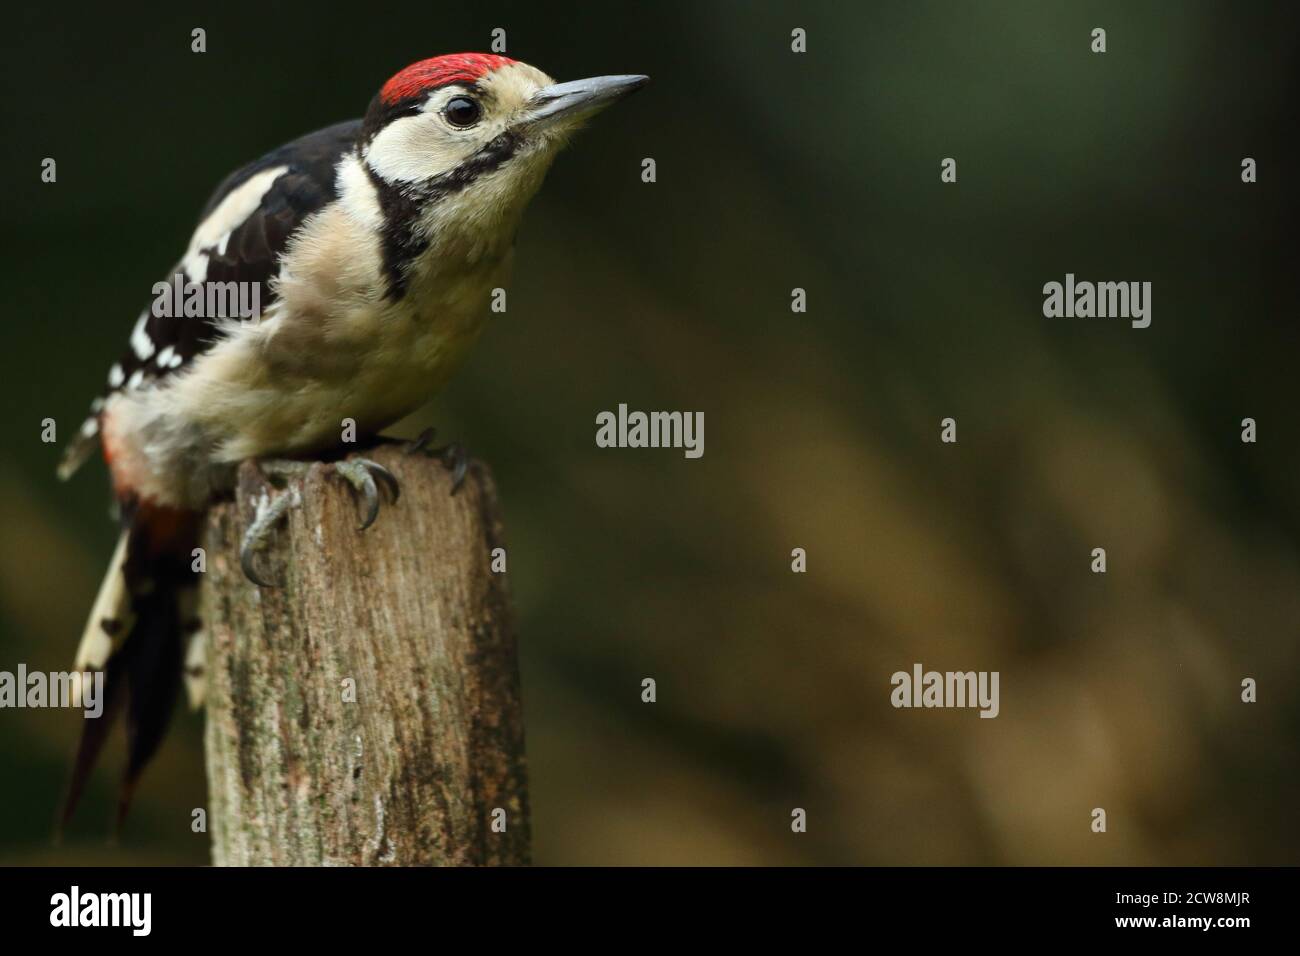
(270, 509)
(457, 462)
(421, 442)
(453, 456)
(361, 474)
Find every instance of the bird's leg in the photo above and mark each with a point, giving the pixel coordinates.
(361, 474)
(453, 456)
(270, 509)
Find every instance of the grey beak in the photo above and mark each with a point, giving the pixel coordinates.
(580, 98)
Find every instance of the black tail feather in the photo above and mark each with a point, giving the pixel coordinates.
(153, 660)
(94, 734)
(145, 672)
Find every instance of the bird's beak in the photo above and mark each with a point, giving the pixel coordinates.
(572, 102)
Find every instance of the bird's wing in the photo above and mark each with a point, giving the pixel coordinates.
(242, 232)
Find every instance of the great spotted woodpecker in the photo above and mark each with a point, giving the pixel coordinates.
(375, 245)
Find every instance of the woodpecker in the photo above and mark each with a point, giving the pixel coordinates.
(375, 245)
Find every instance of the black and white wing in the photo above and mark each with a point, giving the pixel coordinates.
(242, 233)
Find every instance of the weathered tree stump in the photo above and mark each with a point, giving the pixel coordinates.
(366, 711)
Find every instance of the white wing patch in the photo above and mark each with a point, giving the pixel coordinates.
(213, 232)
(239, 204)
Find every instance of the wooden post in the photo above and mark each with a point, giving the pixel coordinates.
(367, 710)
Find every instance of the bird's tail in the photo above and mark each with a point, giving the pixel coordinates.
(141, 620)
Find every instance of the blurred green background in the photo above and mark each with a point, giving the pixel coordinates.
(775, 170)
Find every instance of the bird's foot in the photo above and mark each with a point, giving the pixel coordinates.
(270, 509)
(452, 456)
(361, 474)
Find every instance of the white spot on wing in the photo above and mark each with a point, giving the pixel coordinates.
(136, 379)
(140, 341)
(89, 427)
(115, 377)
(195, 266)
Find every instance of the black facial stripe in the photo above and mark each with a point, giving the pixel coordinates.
(400, 243)
(487, 159)
(403, 204)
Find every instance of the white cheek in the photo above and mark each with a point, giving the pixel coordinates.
(416, 147)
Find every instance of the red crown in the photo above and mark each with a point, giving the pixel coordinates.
(439, 71)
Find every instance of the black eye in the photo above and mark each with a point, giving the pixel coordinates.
(462, 111)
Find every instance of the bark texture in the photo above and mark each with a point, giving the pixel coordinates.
(414, 767)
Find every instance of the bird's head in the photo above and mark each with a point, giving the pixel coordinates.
(478, 126)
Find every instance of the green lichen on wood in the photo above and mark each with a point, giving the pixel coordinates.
(411, 772)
